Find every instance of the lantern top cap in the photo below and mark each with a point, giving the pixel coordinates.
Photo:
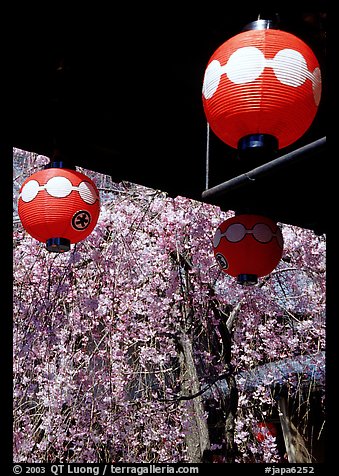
(59, 161)
(59, 164)
(260, 25)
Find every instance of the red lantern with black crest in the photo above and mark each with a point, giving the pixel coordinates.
(248, 246)
(59, 206)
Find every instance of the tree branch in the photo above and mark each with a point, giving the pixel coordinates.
(197, 394)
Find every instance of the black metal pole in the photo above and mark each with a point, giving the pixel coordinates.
(252, 175)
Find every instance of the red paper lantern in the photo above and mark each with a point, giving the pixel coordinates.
(265, 429)
(263, 82)
(59, 206)
(248, 246)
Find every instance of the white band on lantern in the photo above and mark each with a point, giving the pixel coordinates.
(237, 231)
(247, 64)
(58, 187)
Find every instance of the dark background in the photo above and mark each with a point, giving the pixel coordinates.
(117, 88)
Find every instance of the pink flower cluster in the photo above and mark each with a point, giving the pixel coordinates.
(96, 361)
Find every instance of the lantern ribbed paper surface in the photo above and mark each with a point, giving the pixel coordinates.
(261, 82)
(58, 203)
(249, 245)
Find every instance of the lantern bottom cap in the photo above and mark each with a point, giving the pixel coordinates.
(58, 245)
(258, 146)
(247, 279)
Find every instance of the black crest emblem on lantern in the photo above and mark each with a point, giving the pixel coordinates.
(81, 220)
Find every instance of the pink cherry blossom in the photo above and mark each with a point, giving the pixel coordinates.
(98, 332)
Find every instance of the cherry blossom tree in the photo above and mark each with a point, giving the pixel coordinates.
(128, 346)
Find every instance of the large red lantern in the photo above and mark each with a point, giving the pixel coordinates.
(59, 206)
(261, 87)
(248, 246)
